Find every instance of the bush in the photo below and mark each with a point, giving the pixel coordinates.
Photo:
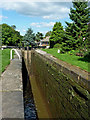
(66, 48)
(57, 45)
(61, 50)
(71, 52)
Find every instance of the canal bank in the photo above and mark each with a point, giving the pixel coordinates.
(64, 89)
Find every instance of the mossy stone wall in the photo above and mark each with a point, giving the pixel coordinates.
(65, 97)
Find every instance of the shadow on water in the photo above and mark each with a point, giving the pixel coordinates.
(29, 106)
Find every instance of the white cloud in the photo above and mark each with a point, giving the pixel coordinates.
(37, 1)
(43, 24)
(3, 17)
(35, 25)
(55, 17)
(24, 30)
(46, 10)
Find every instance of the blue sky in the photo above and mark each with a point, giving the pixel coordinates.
(40, 16)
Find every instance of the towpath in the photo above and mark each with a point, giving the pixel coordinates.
(11, 91)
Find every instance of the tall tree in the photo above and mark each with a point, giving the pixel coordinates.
(77, 30)
(29, 37)
(88, 39)
(56, 34)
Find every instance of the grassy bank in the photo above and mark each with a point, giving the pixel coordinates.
(72, 59)
(4, 59)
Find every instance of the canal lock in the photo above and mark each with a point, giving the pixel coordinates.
(30, 112)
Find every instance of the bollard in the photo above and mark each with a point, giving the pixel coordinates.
(58, 51)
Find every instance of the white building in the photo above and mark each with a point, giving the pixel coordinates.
(44, 42)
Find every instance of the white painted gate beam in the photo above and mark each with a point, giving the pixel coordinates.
(15, 52)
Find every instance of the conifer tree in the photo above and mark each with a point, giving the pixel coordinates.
(29, 37)
(88, 39)
(77, 30)
(57, 34)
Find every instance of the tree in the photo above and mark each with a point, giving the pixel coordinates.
(29, 37)
(10, 36)
(38, 36)
(48, 34)
(77, 30)
(0, 36)
(88, 39)
(57, 34)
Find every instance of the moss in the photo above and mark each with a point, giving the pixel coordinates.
(80, 106)
(60, 91)
(82, 92)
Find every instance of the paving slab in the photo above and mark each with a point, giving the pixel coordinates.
(12, 104)
(12, 78)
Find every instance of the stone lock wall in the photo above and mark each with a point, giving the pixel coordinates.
(66, 93)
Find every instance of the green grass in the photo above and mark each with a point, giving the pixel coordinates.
(4, 59)
(72, 59)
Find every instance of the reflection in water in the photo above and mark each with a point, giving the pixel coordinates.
(29, 106)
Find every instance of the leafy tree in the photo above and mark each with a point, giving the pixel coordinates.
(57, 34)
(29, 37)
(38, 36)
(48, 34)
(77, 30)
(10, 36)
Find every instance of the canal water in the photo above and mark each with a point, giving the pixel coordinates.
(30, 112)
(29, 106)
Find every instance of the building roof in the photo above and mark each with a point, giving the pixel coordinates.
(46, 39)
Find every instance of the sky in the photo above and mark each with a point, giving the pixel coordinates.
(38, 15)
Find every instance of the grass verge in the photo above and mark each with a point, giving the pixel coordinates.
(4, 59)
(72, 59)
